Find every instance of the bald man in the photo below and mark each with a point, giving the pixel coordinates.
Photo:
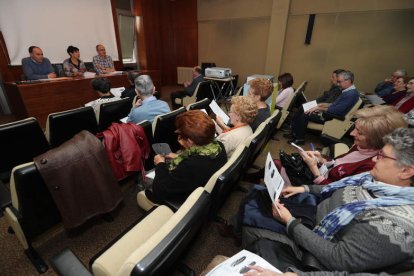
(102, 63)
(36, 66)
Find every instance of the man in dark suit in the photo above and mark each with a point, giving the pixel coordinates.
(189, 88)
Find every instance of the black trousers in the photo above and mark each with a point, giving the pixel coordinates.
(177, 95)
(300, 123)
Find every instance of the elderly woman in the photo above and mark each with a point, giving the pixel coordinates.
(200, 158)
(242, 112)
(400, 90)
(406, 103)
(73, 66)
(260, 90)
(364, 223)
(372, 124)
(286, 89)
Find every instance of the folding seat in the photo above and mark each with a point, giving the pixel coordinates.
(201, 104)
(202, 91)
(112, 112)
(147, 126)
(163, 129)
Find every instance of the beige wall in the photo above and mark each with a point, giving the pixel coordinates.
(370, 37)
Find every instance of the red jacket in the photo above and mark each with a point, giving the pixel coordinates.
(127, 148)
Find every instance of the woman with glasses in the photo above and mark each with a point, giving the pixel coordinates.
(242, 112)
(364, 223)
(192, 167)
(372, 124)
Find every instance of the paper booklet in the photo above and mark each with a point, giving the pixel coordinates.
(309, 105)
(238, 264)
(117, 91)
(273, 180)
(219, 112)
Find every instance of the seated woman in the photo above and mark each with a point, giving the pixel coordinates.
(364, 223)
(102, 87)
(242, 112)
(285, 89)
(260, 90)
(191, 168)
(73, 66)
(399, 92)
(372, 124)
(406, 103)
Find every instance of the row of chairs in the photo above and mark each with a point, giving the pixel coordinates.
(153, 245)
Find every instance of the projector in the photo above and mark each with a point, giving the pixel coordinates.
(218, 72)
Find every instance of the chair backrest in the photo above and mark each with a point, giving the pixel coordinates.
(33, 201)
(204, 91)
(154, 245)
(224, 180)
(202, 104)
(356, 106)
(112, 112)
(257, 142)
(147, 126)
(163, 129)
(20, 141)
(62, 126)
(272, 122)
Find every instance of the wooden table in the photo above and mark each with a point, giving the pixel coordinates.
(42, 98)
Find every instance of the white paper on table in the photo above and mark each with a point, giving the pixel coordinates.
(89, 74)
(117, 91)
(219, 112)
(309, 105)
(232, 267)
(273, 180)
(150, 174)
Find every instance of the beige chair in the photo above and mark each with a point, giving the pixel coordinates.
(336, 128)
(197, 95)
(290, 103)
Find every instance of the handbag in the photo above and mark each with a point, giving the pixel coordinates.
(296, 169)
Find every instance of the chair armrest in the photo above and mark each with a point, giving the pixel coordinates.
(66, 263)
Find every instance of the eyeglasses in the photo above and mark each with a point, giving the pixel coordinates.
(381, 155)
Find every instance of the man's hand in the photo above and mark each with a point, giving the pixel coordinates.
(51, 75)
(138, 103)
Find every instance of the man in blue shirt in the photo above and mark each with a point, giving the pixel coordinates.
(36, 66)
(340, 107)
(147, 107)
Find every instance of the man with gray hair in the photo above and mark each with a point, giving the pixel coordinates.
(147, 106)
(387, 86)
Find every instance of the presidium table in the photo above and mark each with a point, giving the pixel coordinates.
(40, 98)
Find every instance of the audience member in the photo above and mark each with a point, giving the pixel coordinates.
(334, 92)
(260, 90)
(36, 66)
(349, 96)
(364, 222)
(73, 66)
(147, 107)
(406, 103)
(201, 157)
(387, 86)
(242, 112)
(102, 63)
(129, 92)
(102, 87)
(400, 90)
(285, 89)
(189, 87)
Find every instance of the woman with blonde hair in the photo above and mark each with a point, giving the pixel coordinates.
(371, 126)
(242, 112)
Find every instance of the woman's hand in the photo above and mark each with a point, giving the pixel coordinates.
(258, 270)
(311, 158)
(292, 190)
(159, 159)
(281, 213)
(171, 155)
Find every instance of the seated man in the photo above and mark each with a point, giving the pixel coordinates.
(129, 92)
(102, 63)
(349, 96)
(334, 92)
(189, 88)
(36, 66)
(147, 107)
(102, 86)
(387, 86)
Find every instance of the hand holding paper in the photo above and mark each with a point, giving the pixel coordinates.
(219, 112)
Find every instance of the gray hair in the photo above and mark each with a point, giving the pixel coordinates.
(144, 85)
(402, 141)
(347, 75)
(401, 72)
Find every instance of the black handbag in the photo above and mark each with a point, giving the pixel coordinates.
(296, 169)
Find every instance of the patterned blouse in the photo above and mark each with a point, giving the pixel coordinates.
(70, 68)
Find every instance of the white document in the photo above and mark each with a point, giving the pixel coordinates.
(117, 91)
(309, 105)
(375, 99)
(124, 120)
(219, 112)
(273, 180)
(238, 264)
(150, 174)
(89, 74)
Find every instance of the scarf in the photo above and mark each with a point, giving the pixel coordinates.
(388, 195)
(211, 150)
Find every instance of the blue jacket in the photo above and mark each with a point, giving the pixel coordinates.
(344, 102)
(34, 70)
(150, 108)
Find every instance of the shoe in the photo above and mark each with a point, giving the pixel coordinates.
(298, 142)
(289, 135)
(227, 231)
